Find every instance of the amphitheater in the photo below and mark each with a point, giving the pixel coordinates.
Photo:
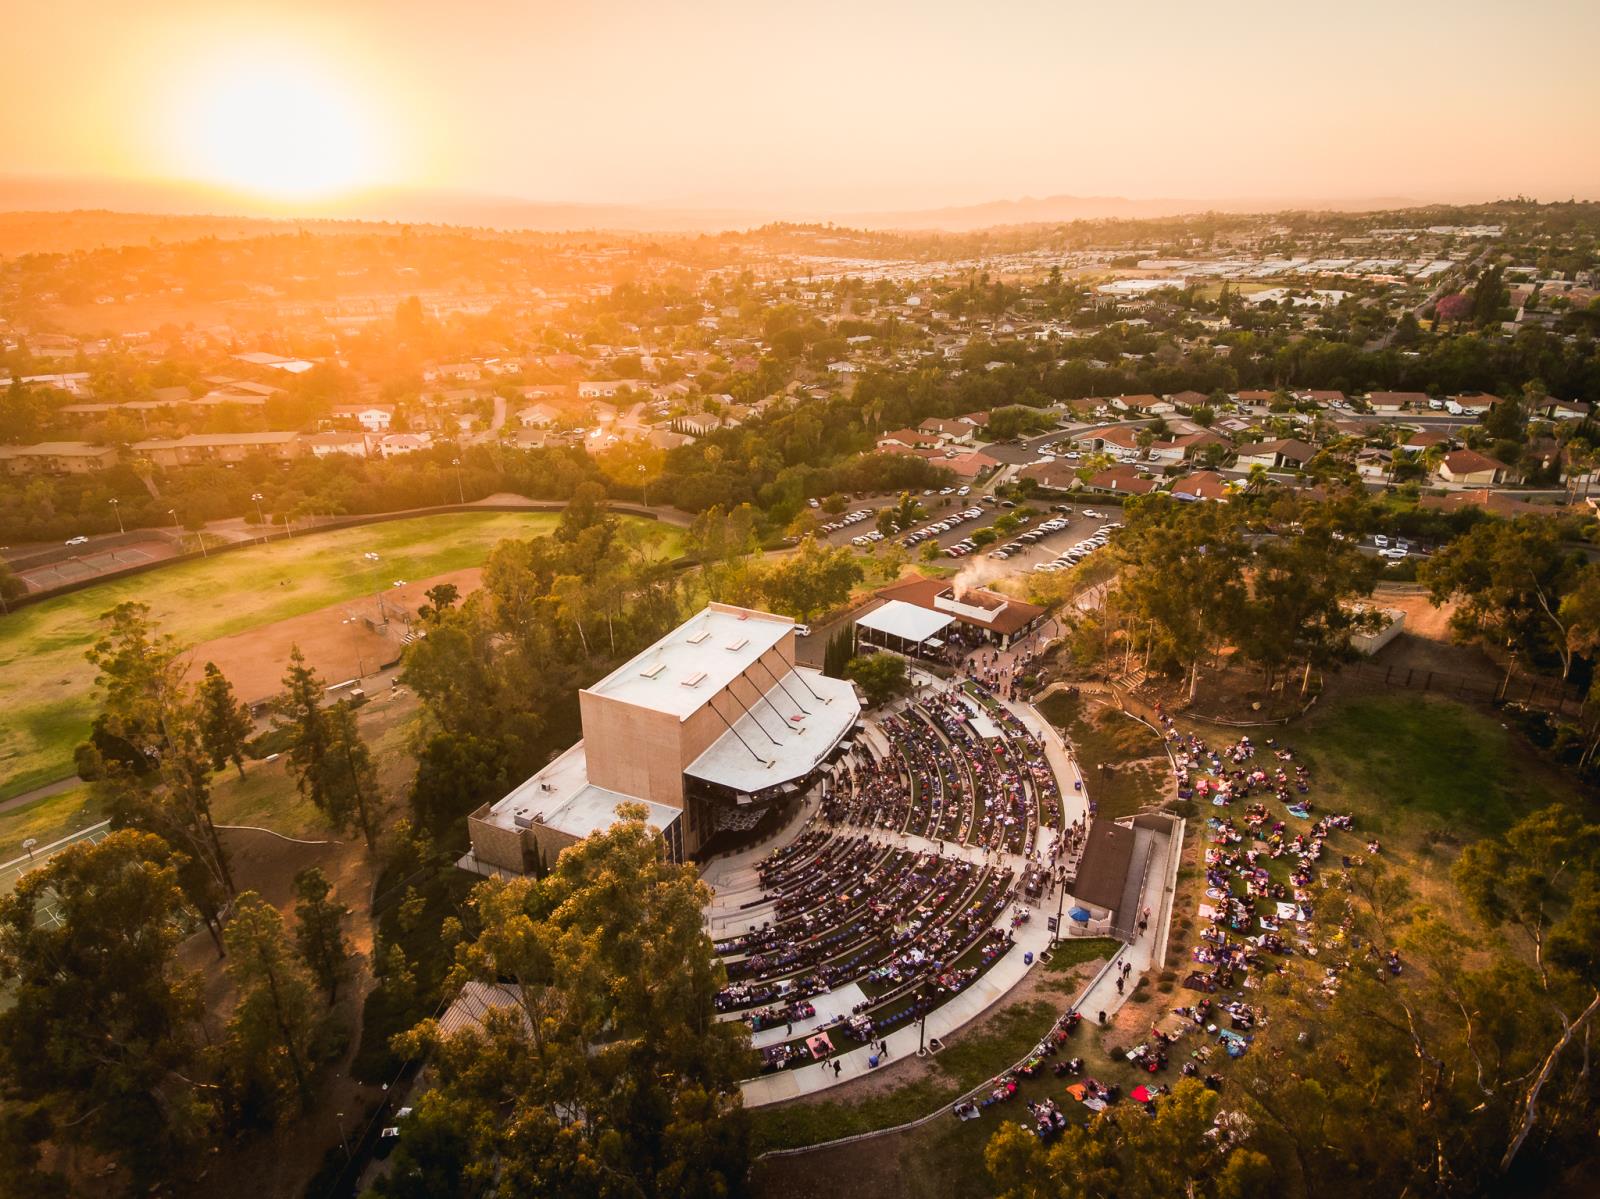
(916, 885)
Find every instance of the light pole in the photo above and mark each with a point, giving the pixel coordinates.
(644, 486)
(1061, 902)
(260, 519)
(461, 495)
(377, 587)
(116, 506)
(200, 534)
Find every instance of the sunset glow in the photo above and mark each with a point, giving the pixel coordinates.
(274, 129)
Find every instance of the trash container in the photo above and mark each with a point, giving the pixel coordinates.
(1027, 958)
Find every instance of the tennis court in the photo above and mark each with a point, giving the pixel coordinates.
(98, 562)
(13, 870)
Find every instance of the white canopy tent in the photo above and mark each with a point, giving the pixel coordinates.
(904, 626)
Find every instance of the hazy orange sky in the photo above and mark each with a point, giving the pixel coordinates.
(807, 107)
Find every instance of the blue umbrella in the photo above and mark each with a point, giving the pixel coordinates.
(1081, 915)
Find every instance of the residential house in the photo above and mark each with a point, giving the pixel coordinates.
(605, 389)
(374, 418)
(1285, 454)
(1165, 453)
(1201, 485)
(453, 372)
(1326, 399)
(1475, 403)
(1496, 503)
(1187, 445)
(1189, 399)
(536, 416)
(1472, 469)
(908, 439)
(1553, 409)
(1373, 464)
(1125, 480)
(968, 465)
(394, 445)
(948, 431)
(323, 445)
(1051, 475)
(698, 424)
(667, 439)
(1387, 402)
(277, 362)
(1121, 442)
(1144, 405)
(1422, 440)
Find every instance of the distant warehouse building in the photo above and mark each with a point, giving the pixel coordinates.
(56, 458)
(712, 729)
(218, 447)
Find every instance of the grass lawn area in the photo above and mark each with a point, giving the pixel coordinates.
(968, 1059)
(267, 798)
(1410, 763)
(1075, 951)
(965, 1063)
(45, 684)
(1137, 767)
(48, 819)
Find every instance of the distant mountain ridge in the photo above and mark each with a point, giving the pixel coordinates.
(421, 206)
(1032, 210)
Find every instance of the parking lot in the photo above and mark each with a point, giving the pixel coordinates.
(842, 530)
(1030, 555)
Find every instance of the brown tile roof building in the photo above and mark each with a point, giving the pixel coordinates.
(988, 610)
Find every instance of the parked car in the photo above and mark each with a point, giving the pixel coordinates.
(802, 630)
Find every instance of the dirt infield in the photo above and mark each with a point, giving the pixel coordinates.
(97, 562)
(342, 641)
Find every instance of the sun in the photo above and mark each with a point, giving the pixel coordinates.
(278, 129)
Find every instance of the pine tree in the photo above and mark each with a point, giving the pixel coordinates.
(100, 1026)
(350, 782)
(300, 707)
(274, 1023)
(319, 932)
(225, 723)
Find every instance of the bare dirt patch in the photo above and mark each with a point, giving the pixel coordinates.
(341, 641)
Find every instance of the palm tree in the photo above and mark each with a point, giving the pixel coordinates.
(1258, 480)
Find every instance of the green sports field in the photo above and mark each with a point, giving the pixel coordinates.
(46, 686)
